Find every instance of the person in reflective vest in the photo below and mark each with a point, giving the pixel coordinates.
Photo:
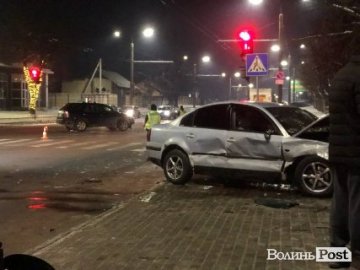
(152, 118)
(181, 110)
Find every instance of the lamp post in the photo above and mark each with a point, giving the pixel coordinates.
(204, 59)
(194, 84)
(132, 84)
(148, 32)
(236, 75)
(281, 44)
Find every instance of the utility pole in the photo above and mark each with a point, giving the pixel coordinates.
(230, 86)
(282, 46)
(194, 84)
(132, 85)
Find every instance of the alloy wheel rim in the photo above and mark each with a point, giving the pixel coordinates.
(81, 125)
(316, 177)
(174, 167)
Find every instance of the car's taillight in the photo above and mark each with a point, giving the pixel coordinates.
(66, 114)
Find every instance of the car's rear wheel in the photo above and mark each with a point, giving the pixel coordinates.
(122, 125)
(314, 177)
(80, 125)
(177, 167)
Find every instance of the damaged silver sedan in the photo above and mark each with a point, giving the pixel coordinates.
(263, 141)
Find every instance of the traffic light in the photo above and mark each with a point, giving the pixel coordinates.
(35, 73)
(246, 42)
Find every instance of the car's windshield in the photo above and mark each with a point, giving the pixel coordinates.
(291, 118)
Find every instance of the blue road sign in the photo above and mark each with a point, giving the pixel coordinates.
(257, 64)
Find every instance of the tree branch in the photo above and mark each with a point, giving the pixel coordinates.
(348, 10)
(346, 32)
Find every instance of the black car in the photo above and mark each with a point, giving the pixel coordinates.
(79, 116)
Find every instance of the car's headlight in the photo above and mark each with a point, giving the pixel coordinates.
(129, 113)
(167, 113)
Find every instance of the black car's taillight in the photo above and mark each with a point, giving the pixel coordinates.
(66, 114)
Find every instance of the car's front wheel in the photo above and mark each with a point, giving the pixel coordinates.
(80, 125)
(122, 125)
(314, 177)
(177, 167)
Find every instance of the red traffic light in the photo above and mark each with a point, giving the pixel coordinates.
(245, 35)
(35, 73)
(246, 42)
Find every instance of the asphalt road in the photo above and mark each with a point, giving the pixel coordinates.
(49, 185)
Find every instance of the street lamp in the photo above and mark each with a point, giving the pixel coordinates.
(204, 59)
(284, 63)
(148, 32)
(117, 34)
(275, 48)
(237, 76)
(255, 2)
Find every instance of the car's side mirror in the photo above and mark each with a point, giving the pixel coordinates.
(268, 134)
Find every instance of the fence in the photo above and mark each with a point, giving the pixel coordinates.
(57, 100)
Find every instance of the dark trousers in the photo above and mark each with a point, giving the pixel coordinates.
(148, 134)
(345, 211)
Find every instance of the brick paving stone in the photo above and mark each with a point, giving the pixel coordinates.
(192, 227)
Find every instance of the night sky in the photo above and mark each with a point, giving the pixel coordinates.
(73, 35)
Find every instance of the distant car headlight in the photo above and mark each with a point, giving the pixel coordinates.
(167, 113)
(129, 113)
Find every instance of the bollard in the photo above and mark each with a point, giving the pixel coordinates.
(44, 136)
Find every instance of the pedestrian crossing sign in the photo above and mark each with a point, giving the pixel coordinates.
(257, 64)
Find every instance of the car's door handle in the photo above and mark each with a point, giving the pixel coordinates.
(190, 136)
(231, 139)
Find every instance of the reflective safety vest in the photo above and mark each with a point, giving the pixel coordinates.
(153, 119)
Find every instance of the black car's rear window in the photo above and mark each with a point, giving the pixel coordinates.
(74, 107)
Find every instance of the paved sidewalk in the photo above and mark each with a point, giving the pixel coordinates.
(24, 117)
(196, 226)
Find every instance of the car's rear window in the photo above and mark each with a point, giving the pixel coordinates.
(75, 107)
